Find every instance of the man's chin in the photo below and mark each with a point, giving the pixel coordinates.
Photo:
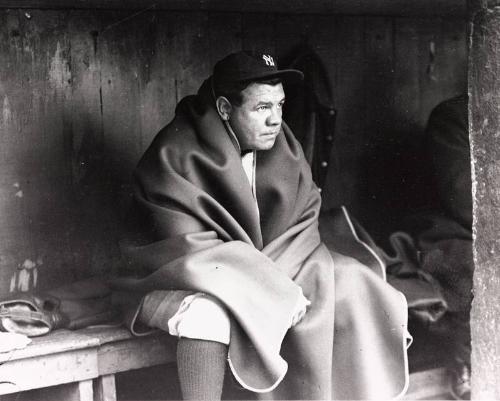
(267, 143)
(266, 146)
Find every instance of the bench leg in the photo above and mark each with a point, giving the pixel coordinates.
(85, 391)
(106, 389)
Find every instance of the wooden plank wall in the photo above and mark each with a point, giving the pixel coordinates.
(84, 92)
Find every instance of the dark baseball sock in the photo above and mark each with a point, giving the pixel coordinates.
(201, 365)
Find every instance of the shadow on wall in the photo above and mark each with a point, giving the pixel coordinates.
(71, 133)
(62, 206)
(71, 224)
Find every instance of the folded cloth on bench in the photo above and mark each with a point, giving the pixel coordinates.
(72, 306)
(423, 293)
(12, 341)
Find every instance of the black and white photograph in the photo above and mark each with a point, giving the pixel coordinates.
(249, 200)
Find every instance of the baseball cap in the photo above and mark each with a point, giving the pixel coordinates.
(244, 66)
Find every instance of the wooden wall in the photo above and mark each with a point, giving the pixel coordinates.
(83, 92)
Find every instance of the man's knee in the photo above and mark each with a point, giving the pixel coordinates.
(203, 317)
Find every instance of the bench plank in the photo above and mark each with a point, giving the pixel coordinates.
(107, 334)
(100, 352)
(136, 353)
(56, 342)
(48, 370)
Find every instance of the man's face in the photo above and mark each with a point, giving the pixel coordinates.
(257, 122)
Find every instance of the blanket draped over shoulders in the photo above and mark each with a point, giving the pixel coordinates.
(200, 231)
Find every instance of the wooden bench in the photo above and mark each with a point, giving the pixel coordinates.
(90, 358)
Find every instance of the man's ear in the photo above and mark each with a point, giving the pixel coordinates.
(224, 107)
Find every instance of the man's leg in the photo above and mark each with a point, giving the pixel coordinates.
(201, 365)
(203, 328)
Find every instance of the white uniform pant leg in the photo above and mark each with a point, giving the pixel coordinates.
(202, 317)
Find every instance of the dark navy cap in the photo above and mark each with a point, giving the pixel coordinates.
(245, 66)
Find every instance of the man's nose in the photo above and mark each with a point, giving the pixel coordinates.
(274, 117)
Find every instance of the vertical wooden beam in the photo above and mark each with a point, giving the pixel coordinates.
(85, 390)
(484, 125)
(106, 388)
(157, 91)
(191, 42)
(124, 50)
(92, 223)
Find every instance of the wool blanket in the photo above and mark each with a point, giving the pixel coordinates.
(201, 232)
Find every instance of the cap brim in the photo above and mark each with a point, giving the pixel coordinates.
(289, 77)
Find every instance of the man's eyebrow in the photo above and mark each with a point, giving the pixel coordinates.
(269, 102)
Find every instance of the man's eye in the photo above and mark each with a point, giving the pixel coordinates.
(280, 105)
(262, 108)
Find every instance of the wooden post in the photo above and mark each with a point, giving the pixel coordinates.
(85, 390)
(484, 126)
(106, 388)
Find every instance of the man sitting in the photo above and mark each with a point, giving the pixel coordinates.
(229, 257)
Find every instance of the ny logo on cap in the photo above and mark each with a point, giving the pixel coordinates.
(268, 59)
